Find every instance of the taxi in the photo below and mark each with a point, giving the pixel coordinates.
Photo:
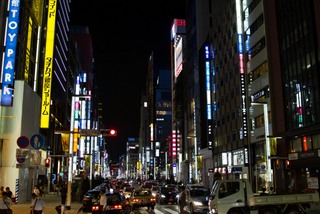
(142, 198)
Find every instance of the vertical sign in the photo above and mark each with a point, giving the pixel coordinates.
(10, 52)
(47, 73)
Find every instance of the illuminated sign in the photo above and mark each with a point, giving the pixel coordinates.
(10, 52)
(47, 73)
(241, 65)
(208, 83)
(178, 53)
(178, 27)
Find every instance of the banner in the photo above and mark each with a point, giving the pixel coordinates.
(65, 142)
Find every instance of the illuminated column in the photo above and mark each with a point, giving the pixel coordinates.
(267, 143)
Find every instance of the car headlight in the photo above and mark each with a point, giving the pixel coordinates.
(198, 203)
(163, 196)
(213, 209)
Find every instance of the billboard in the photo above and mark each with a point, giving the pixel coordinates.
(47, 73)
(10, 52)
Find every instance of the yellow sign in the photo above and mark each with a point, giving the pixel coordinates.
(47, 73)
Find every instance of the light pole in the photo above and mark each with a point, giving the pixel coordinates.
(267, 139)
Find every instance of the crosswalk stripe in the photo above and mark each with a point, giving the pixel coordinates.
(158, 212)
(170, 211)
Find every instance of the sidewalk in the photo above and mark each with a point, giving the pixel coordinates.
(51, 200)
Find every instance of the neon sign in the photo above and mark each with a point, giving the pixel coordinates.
(10, 52)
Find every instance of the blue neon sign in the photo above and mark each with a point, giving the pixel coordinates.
(10, 52)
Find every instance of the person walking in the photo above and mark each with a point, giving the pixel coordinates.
(182, 199)
(36, 190)
(63, 194)
(9, 193)
(85, 184)
(5, 204)
(37, 204)
(103, 200)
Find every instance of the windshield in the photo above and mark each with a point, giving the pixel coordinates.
(199, 192)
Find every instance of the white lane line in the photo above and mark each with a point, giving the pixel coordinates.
(170, 211)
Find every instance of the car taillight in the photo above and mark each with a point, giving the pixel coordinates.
(116, 207)
(152, 199)
(136, 200)
(95, 208)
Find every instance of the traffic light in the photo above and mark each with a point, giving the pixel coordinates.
(47, 162)
(277, 163)
(108, 132)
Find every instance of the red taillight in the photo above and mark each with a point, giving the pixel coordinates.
(136, 200)
(95, 208)
(152, 199)
(116, 207)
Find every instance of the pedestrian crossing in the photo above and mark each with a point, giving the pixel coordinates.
(159, 210)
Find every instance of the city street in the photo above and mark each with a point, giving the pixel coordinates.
(52, 200)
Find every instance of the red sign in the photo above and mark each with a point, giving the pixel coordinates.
(23, 142)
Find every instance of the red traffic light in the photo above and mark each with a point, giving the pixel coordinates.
(109, 132)
(113, 132)
(47, 162)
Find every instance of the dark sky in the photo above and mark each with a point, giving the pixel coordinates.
(124, 33)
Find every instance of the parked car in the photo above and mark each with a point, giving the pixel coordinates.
(168, 195)
(197, 200)
(142, 198)
(116, 202)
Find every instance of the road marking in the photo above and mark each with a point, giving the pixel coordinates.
(158, 212)
(170, 211)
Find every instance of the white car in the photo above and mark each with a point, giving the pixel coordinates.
(197, 200)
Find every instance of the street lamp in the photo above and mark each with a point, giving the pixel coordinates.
(267, 139)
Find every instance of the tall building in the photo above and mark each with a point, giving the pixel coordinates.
(37, 60)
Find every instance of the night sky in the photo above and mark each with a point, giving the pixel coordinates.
(124, 34)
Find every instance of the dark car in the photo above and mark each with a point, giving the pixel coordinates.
(116, 202)
(89, 199)
(167, 195)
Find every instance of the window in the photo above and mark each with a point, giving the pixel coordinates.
(228, 188)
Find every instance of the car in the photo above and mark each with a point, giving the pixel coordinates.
(89, 199)
(190, 186)
(197, 200)
(127, 191)
(116, 202)
(168, 195)
(142, 198)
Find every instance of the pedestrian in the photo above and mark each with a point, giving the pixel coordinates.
(9, 193)
(103, 200)
(5, 204)
(85, 184)
(63, 194)
(182, 199)
(36, 190)
(37, 204)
